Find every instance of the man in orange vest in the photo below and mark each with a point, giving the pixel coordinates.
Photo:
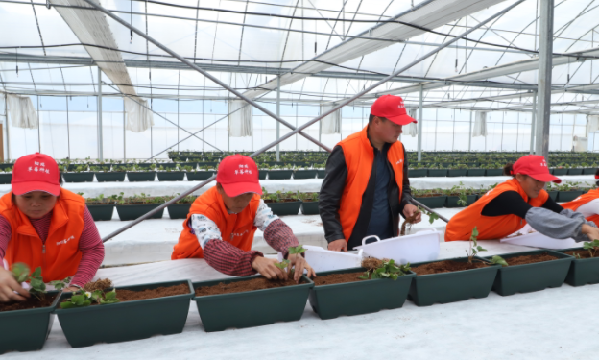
(221, 223)
(366, 185)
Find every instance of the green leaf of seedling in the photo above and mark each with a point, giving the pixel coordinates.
(375, 275)
(480, 248)
(366, 276)
(96, 295)
(37, 272)
(111, 295)
(20, 272)
(587, 245)
(67, 305)
(496, 259)
(78, 300)
(296, 250)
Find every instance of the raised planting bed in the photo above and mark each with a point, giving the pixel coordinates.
(476, 172)
(457, 172)
(305, 174)
(170, 176)
(584, 269)
(494, 172)
(567, 196)
(589, 171)
(417, 173)
(142, 312)
(310, 208)
(432, 201)
(100, 167)
(279, 174)
(129, 212)
(199, 175)
(576, 171)
(531, 271)
(178, 211)
(78, 177)
(443, 281)
(321, 173)
(141, 175)
(559, 172)
(110, 176)
(101, 212)
(284, 208)
(262, 174)
(553, 195)
(26, 324)
(452, 201)
(250, 301)
(342, 292)
(437, 172)
(5, 178)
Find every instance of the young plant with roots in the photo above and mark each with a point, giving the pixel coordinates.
(285, 263)
(379, 269)
(591, 247)
(474, 248)
(20, 273)
(84, 298)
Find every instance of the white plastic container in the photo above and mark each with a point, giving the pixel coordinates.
(421, 246)
(537, 240)
(323, 260)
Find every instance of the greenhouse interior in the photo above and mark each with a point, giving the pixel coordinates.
(191, 178)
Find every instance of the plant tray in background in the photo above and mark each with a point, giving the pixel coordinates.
(199, 175)
(141, 176)
(288, 208)
(132, 212)
(110, 176)
(279, 174)
(78, 177)
(170, 176)
(178, 211)
(304, 174)
(432, 202)
(6, 178)
(582, 271)
(101, 212)
(310, 208)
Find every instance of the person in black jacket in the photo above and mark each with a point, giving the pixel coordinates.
(380, 205)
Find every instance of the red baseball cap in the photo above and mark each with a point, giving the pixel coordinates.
(391, 107)
(535, 167)
(238, 175)
(36, 172)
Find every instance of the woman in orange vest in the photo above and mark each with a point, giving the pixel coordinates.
(221, 223)
(587, 204)
(44, 225)
(510, 205)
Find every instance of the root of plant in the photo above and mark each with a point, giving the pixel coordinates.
(100, 284)
(371, 263)
(408, 223)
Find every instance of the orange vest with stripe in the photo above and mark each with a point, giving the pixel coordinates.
(490, 227)
(237, 229)
(60, 256)
(584, 199)
(359, 156)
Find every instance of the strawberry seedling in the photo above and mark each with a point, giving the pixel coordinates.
(387, 269)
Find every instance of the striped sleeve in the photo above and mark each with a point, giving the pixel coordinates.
(92, 247)
(5, 236)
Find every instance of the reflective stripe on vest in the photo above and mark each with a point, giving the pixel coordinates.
(237, 229)
(582, 200)
(489, 227)
(60, 257)
(359, 156)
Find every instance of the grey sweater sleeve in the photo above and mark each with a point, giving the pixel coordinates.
(558, 226)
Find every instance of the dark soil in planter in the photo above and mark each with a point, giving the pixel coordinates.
(531, 259)
(445, 266)
(31, 303)
(141, 176)
(457, 172)
(476, 172)
(337, 278)
(262, 174)
(305, 174)
(583, 254)
(78, 177)
(160, 292)
(279, 174)
(259, 283)
(432, 201)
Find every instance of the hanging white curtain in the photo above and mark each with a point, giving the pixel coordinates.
(139, 116)
(240, 118)
(2, 104)
(480, 124)
(412, 128)
(22, 112)
(592, 123)
(331, 124)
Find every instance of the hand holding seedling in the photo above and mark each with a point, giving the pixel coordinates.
(410, 211)
(268, 268)
(9, 284)
(297, 264)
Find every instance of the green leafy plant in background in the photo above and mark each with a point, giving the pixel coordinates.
(84, 298)
(388, 269)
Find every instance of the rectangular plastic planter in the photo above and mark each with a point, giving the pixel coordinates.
(6, 178)
(132, 212)
(279, 174)
(78, 177)
(576, 171)
(494, 172)
(178, 211)
(251, 308)
(531, 277)
(304, 174)
(110, 176)
(476, 172)
(199, 175)
(358, 297)
(262, 174)
(582, 271)
(452, 201)
(567, 196)
(310, 208)
(101, 212)
(289, 208)
(126, 321)
(28, 329)
(589, 171)
(432, 202)
(456, 172)
(437, 172)
(553, 195)
(454, 286)
(559, 172)
(141, 176)
(417, 173)
(170, 176)
(104, 167)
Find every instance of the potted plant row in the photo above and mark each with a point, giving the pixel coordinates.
(132, 207)
(281, 203)
(309, 203)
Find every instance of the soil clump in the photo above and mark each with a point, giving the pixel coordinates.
(446, 266)
(259, 283)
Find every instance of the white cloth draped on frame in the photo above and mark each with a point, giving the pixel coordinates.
(592, 123)
(412, 128)
(240, 118)
(480, 124)
(331, 124)
(21, 112)
(139, 116)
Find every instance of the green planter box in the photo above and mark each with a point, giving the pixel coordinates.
(452, 201)
(494, 172)
(132, 212)
(305, 174)
(589, 171)
(531, 277)
(432, 202)
(577, 171)
(141, 176)
(252, 308)
(582, 271)
(101, 212)
(262, 174)
(289, 208)
(437, 172)
(72, 167)
(126, 321)
(559, 172)
(167, 165)
(78, 177)
(310, 208)
(476, 172)
(417, 173)
(199, 175)
(457, 172)
(279, 174)
(171, 176)
(144, 165)
(110, 176)
(455, 286)
(26, 330)
(178, 211)
(6, 166)
(321, 174)
(6, 178)
(359, 297)
(553, 195)
(104, 167)
(566, 196)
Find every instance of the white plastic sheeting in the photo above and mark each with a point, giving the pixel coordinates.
(592, 123)
(480, 124)
(412, 128)
(240, 118)
(139, 115)
(331, 124)
(22, 112)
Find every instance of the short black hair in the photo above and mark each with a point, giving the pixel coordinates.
(373, 116)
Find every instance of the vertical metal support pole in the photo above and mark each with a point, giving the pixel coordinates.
(470, 133)
(100, 131)
(39, 140)
(178, 128)
(124, 132)
(68, 132)
(545, 68)
(7, 127)
(420, 123)
(296, 125)
(278, 110)
(534, 123)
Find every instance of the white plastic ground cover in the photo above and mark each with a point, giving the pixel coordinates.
(527, 236)
(421, 246)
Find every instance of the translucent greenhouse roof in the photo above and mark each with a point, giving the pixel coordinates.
(324, 50)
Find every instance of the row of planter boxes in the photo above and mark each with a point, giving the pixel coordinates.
(418, 173)
(452, 201)
(144, 318)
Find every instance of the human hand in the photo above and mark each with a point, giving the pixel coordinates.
(266, 267)
(300, 264)
(338, 245)
(409, 210)
(71, 289)
(8, 284)
(591, 232)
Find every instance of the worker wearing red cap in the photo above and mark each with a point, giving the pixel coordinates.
(46, 226)
(587, 204)
(221, 223)
(366, 186)
(512, 204)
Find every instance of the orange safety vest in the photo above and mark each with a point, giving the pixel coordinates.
(237, 229)
(359, 156)
(60, 256)
(584, 199)
(490, 227)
